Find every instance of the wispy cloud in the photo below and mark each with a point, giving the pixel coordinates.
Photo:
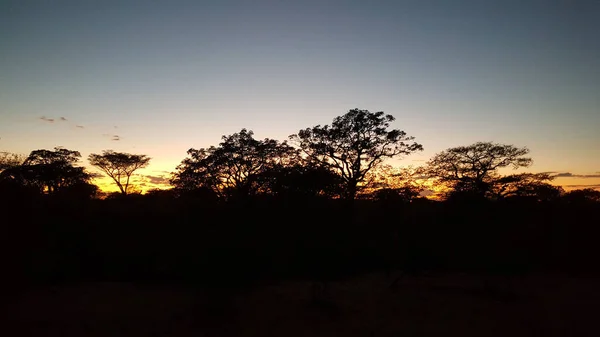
(571, 175)
(52, 120)
(157, 180)
(112, 137)
(581, 187)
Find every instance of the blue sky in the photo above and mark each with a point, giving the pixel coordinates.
(165, 76)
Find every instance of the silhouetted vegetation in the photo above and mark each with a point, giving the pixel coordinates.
(48, 172)
(353, 145)
(472, 172)
(237, 168)
(119, 166)
(250, 211)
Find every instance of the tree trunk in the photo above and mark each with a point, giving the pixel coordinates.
(350, 194)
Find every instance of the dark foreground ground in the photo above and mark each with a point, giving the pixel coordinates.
(433, 305)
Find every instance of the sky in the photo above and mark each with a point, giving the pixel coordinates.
(160, 77)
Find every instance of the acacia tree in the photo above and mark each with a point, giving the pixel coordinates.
(232, 168)
(119, 166)
(474, 169)
(354, 144)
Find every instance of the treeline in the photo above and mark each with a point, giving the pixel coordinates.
(323, 206)
(344, 160)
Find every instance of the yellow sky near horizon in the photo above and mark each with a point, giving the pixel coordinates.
(156, 177)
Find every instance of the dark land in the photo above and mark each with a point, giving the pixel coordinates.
(156, 265)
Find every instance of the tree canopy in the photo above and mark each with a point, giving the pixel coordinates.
(474, 170)
(397, 184)
(354, 144)
(232, 168)
(526, 185)
(582, 196)
(49, 171)
(9, 160)
(345, 160)
(119, 166)
(300, 181)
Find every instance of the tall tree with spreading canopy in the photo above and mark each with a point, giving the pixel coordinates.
(354, 144)
(119, 166)
(474, 170)
(232, 168)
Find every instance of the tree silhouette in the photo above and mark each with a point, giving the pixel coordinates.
(354, 144)
(473, 169)
(194, 173)
(583, 196)
(119, 166)
(50, 171)
(526, 185)
(9, 160)
(393, 184)
(10, 184)
(232, 168)
(301, 182)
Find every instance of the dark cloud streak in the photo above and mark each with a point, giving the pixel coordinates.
(156, 180)
(580, 187)
(112, 136)
(571, 175)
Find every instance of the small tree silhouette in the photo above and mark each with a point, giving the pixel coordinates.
(583, 196)
(9, 160)
(119, 166)
(473, 170)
